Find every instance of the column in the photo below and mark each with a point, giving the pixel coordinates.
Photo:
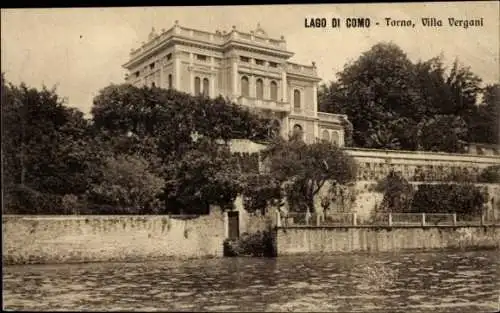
(161, 83)
(177, 73)
(235, 77)
(284, 89)
(212, 77)
(191, 74)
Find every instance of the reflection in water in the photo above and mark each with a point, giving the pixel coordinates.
(423, 282)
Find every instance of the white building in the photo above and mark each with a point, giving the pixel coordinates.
(250, 69)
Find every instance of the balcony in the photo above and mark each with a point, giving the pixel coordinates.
(331, 118)
(294, 68)
(262, 104)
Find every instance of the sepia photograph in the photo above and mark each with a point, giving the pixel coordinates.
(251, 158)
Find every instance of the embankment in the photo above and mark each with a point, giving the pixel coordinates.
(67, 239)
(302, 240)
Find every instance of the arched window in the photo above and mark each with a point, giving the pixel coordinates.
(335, 138)
(325, 135)
(245, 91)
(259, 85)
(206, 86)
(297, 131)
(274, 91)
(197, 86)
(296, 99)
(153, 85)
(169, 81)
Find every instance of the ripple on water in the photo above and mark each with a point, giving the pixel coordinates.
(412, 282)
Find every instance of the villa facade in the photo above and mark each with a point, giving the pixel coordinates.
(250, 69)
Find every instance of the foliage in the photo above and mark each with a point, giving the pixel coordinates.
(442, 133)
(491, 175)
(396, 104)
(464, 199)
(304, 169)
(172, 117)
(207, 174)
(127, 183)
(259, 244)
(260, 191)
(397, 191)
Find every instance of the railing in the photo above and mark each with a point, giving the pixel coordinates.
(301, 69)
(328, 117)
(264, 104)
(293, 219)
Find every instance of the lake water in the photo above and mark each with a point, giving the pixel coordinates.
(406, 282)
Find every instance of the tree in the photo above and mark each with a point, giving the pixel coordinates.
(484, 126)
(447, 133)
(127, 185)
(304, 169)
(206, 175)
(464, 199)
(397, 193)
(41, 141)
(373, 90)
(172, 117)
(388, 98)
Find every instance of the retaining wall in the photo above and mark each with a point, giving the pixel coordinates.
(63, 239)
(299, 240)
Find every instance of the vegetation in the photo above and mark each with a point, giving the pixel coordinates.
(304, 169)
(259, 244)
(464, 199)
(398, 193)
(396, 104)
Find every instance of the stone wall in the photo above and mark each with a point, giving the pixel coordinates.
(383, 239)
(64, 239)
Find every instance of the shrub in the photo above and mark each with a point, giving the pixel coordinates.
(491, 175)
(26, 200)
(397, 191)
(463, 199)
(259, 244)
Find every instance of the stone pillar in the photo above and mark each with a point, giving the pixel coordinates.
(191, 74)
(390, 219)
(226, 225)
(177, 74)
(284, 88)
(212, 77)
(235, 77)
(354, 219)
(454, 219)
(423, 219)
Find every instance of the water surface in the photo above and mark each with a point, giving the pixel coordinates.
(411, 282)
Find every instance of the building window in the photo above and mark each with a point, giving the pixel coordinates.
(273, 64)
(244, 59)
(335, 138)
(274, 91)
(169, 56)
(325, 135)
(259, 88)
(244, 86)
(197, 86)
(296, 99)
(297, 132)
(201, 57)
(153, 85)
(259, 62)
(206, 85)
(137, 74)
(152, 65)
(169, 81)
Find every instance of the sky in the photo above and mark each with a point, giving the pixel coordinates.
(82, 50)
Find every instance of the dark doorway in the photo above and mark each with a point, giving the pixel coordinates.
(233, 224)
